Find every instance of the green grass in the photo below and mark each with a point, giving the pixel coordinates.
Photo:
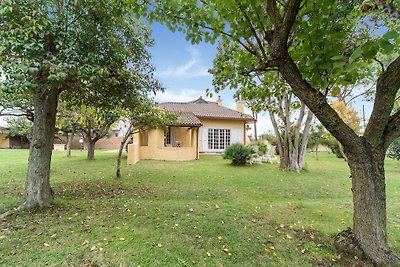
(202, 213)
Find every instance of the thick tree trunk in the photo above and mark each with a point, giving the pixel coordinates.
(90, 147)
(69, 143)
(369, 200)
(37, 186)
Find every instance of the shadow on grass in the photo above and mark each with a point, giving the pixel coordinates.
(98, 190)
(321, 246)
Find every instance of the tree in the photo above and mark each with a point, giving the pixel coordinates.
(394, 150)
(350, 117)
(94, 124)
(20, 126)
(266, 92)
(86, 52)
(321, 30)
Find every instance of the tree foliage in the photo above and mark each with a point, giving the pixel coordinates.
(318, 47)
(19, 126)
(394, 150)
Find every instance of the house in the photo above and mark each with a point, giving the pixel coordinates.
(4, 140)
(202, 127)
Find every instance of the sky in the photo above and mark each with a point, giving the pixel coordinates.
(183, 70)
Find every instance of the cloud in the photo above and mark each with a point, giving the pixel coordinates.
(190, 69)
(181, 96)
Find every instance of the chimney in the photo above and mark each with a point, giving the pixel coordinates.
(219, 101)
(240, 105)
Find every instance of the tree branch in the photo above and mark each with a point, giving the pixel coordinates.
(290, 18)
(317, 103)
(392, 130)
(386, 89)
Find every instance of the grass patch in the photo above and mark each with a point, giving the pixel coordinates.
(204, 212)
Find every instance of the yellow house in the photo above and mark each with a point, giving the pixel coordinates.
(4, 140)
(202, 127)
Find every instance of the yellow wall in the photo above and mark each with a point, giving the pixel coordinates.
(4, 141)
(189, 138)
(157, 151)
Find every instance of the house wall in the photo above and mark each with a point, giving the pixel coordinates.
(236, 127)
(156, 150)
(4, 141)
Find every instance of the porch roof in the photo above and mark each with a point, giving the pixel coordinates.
(186, 119)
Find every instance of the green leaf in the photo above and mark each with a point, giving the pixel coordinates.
(386, 45)
(391, 35)
(335, 91)
(337, 58)
(356, 54)
(338, 64)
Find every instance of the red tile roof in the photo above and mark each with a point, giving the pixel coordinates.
(201, 108)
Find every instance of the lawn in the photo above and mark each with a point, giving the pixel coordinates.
(201, 213)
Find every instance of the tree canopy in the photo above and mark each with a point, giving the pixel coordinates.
(318, 47)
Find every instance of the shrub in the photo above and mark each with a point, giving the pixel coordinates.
(262, 147)
(394, 150)
(238, 153)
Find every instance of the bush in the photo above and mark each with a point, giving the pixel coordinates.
(238, 153)
(262, 147)
(394, 150)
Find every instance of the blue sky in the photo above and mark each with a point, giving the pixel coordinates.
(183, 70)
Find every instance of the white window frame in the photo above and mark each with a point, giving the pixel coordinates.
(218, 138)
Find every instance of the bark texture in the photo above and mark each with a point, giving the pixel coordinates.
(37, 187)
(292, 147)
(91, 144)
(128, 134)
(70, 138)
(369, 200)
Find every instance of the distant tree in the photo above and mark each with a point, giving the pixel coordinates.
(350, 117)
(394, 150)
(20, 126)
(94, 124)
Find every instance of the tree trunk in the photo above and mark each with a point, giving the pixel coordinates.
(37, 186)
(369, 200)
(69, 143)
(121, 148)
(304, 141)
(255, 126)
(90, 147)
(278, 139)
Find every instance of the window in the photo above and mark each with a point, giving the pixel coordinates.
(219, 138)
(169, 136)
